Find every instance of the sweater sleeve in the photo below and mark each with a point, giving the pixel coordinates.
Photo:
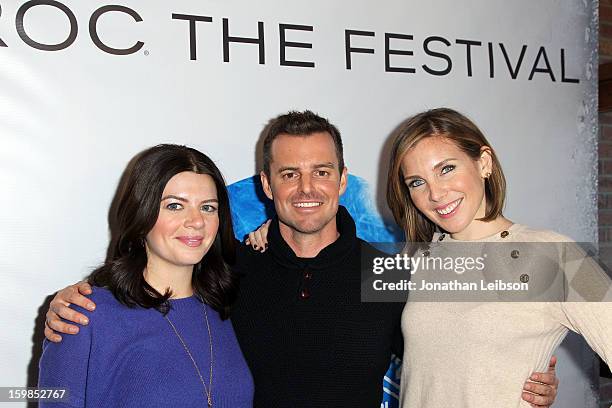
(586, 279)
(592, 320)
(65, 365)
(588, 311)
(244, 259)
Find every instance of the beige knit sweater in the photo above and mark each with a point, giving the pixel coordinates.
(469, 354)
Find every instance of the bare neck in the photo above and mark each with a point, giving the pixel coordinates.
(177, 279)
(481, 229)
(308, 245)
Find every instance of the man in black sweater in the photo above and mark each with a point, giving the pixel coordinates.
(308, 339)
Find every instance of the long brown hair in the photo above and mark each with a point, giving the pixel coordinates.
(457, 128)
(133, 214)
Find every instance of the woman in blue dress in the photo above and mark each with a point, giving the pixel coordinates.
(162, 337)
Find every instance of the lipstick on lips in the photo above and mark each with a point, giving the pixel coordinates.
(448, 210)
(191, 241)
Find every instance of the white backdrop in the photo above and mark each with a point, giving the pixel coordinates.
(71, 118)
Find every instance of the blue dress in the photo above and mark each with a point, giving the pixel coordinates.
(131, 357)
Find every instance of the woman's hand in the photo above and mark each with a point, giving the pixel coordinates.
(258, 239)
(59, 309)
(540, 390)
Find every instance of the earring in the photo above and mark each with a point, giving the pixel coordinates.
(487, 175)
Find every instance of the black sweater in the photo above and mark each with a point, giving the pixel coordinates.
(307, 337)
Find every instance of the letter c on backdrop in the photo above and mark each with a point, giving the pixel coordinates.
(93, 30)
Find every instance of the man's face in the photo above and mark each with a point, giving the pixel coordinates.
(305, 182)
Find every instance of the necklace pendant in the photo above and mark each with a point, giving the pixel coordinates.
(209, 402)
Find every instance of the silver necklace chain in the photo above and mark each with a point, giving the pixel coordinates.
(207, 390)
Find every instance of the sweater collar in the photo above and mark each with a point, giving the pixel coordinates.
(334, 253)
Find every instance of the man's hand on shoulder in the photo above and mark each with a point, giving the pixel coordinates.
(59, 309)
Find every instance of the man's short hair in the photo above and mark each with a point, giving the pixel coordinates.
(299, 124)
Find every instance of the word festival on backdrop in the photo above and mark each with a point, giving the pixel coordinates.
(397, 46)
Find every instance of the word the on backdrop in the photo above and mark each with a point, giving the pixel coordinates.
(441, 55)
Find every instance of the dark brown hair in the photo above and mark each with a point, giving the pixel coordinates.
(457, 128)
(299, 124)
(135, 211)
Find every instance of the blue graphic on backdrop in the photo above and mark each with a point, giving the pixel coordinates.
(251, 207)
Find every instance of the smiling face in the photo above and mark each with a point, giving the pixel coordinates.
(305, 182)
(446, 185)
(187, 223)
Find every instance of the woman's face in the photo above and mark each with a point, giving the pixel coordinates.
(187, 223)
(445, 184)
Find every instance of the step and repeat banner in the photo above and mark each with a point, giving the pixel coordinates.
(88, 84)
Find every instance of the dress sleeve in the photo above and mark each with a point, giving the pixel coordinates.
(65, 365)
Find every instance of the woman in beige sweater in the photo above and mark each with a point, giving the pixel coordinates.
(445, 176)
